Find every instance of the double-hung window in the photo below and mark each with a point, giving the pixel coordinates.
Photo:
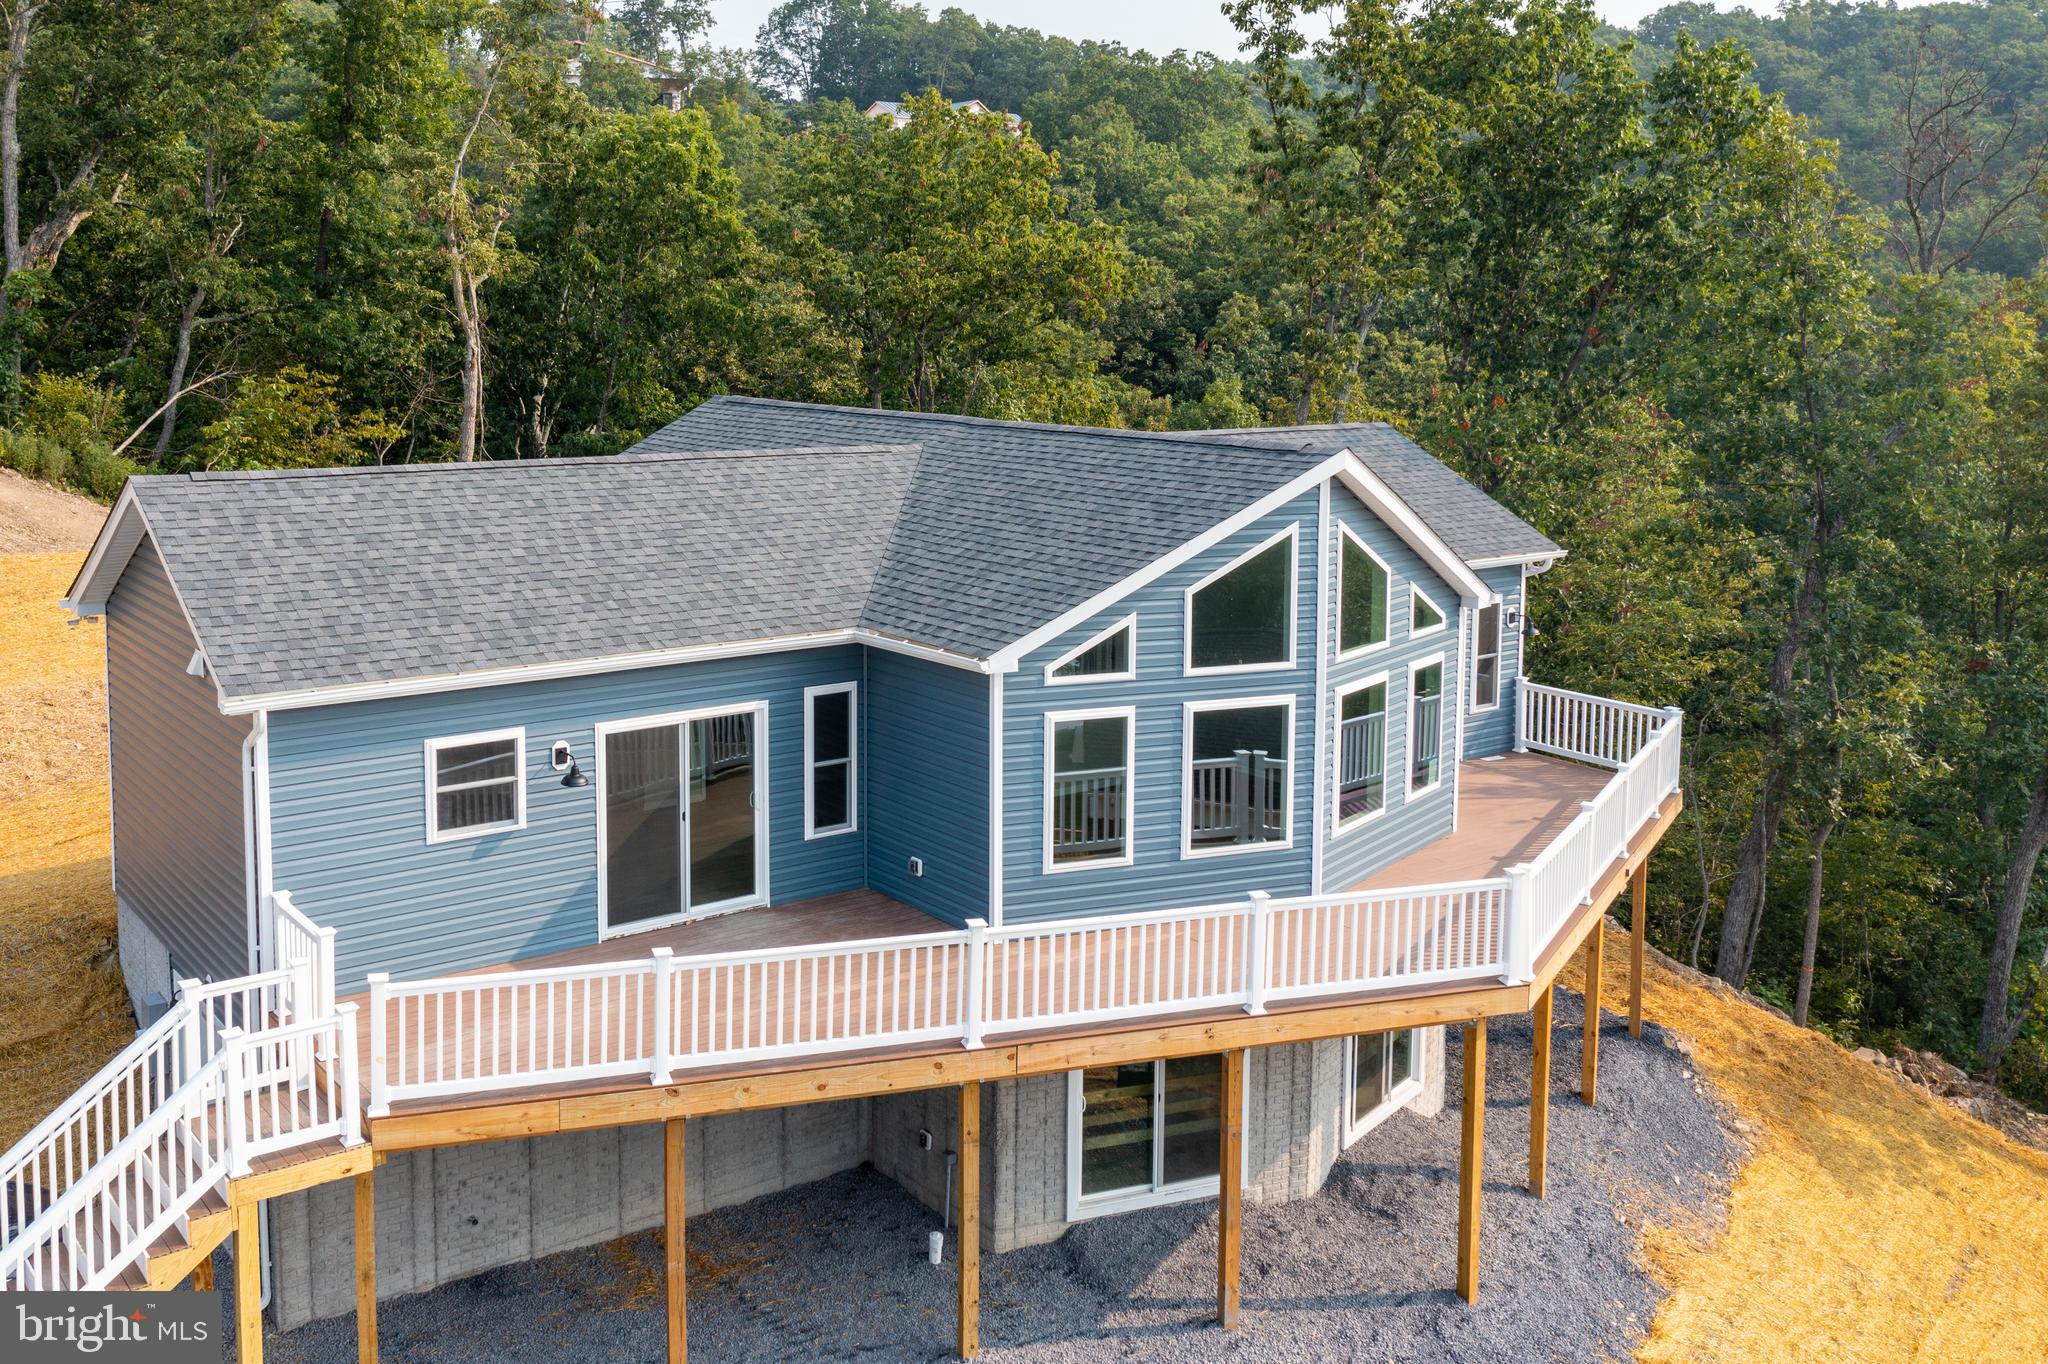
(1361, 751)
(1143, 1132)
(1237, 778)
(831, 760)
(1241, 617)
(1486, 659)
(474, 786)
(1089, 788)
(1425, 724)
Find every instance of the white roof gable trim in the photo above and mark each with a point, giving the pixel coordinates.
(1343, 465)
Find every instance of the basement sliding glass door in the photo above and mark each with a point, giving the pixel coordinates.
(1142, 1133)
(681, 822)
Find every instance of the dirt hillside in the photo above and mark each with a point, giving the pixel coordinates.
(36, 518)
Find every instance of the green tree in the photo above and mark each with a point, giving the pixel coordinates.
(942, 249)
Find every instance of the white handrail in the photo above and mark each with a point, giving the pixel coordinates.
(100, 1179)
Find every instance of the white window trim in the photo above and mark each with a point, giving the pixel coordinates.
(1053, 718)
(436, 834)
(763, 826)
(1344, 533)
(1443, 620)
(851, 690)
(1190, 709)
(1338, 828)
(1500, 621)
(1130, 674)
(1292, 534)
(1408, 731)
(1398, 1098)
(1081, 1207)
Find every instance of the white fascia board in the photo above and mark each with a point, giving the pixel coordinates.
(1010, 655)
(587, 667)
(1388, 506)
(119, 534)
(1536, 563)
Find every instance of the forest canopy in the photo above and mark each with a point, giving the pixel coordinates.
(1744, 310)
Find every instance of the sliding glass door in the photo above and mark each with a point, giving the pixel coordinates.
(680, 824)
(1145, 1132)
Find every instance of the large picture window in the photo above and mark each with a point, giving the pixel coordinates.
(1385, 1071)
(1241, 618)
(1425, 725)
(1486, 659)
(1088, 788)
(1361, 751)
(474, 786)
(1144, 1132)
(1237, 779)
(831, 801)
(1362, 591)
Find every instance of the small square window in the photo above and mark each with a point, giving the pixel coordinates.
(474, 784)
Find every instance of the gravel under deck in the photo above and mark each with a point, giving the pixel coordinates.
(836, 1269)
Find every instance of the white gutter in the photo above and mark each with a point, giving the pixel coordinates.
(589, 667)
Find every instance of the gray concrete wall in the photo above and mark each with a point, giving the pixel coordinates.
(446, 1214)
(443, 1215)
(145, 961)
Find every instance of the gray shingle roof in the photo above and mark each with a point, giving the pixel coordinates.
(1008, 524)
(746, 519)
(327, 577)
(1474, 525)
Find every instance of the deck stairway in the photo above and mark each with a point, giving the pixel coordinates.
(135, 1178)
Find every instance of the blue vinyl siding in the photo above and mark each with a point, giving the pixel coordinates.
(1404, 825)
(348, 812)
(926, 755)
(1488, 732)
(1159, 878)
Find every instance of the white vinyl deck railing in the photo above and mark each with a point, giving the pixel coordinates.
(232, 1072)
(662, 1015)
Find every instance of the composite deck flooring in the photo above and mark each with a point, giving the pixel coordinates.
(889, 999)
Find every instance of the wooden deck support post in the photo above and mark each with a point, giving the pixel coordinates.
(673, 1209)
(202, 1275)
(1471, 1163)
(1539, 1094)
(1589, 1056)
(970, 1219)
(366, 1267)
(1230, 1193)
(1638, 931)
(248, 1286)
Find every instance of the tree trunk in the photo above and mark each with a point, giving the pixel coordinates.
(2000, 1021)
(463, 289)
(1742, 915)
(1816, 867)
(20, 21)
(187, 321)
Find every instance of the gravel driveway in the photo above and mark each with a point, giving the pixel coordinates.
(835, 1270)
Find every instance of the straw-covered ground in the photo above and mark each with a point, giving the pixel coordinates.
(1865, 1222)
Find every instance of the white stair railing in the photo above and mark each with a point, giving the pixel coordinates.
(235, 1069)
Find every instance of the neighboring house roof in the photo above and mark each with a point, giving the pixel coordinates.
(899, 113)
(746, 522)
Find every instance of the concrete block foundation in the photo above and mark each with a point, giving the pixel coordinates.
(447, 1214)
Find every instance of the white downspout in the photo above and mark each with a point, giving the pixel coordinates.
(251, 877)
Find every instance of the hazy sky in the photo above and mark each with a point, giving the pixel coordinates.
(1157, 25)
